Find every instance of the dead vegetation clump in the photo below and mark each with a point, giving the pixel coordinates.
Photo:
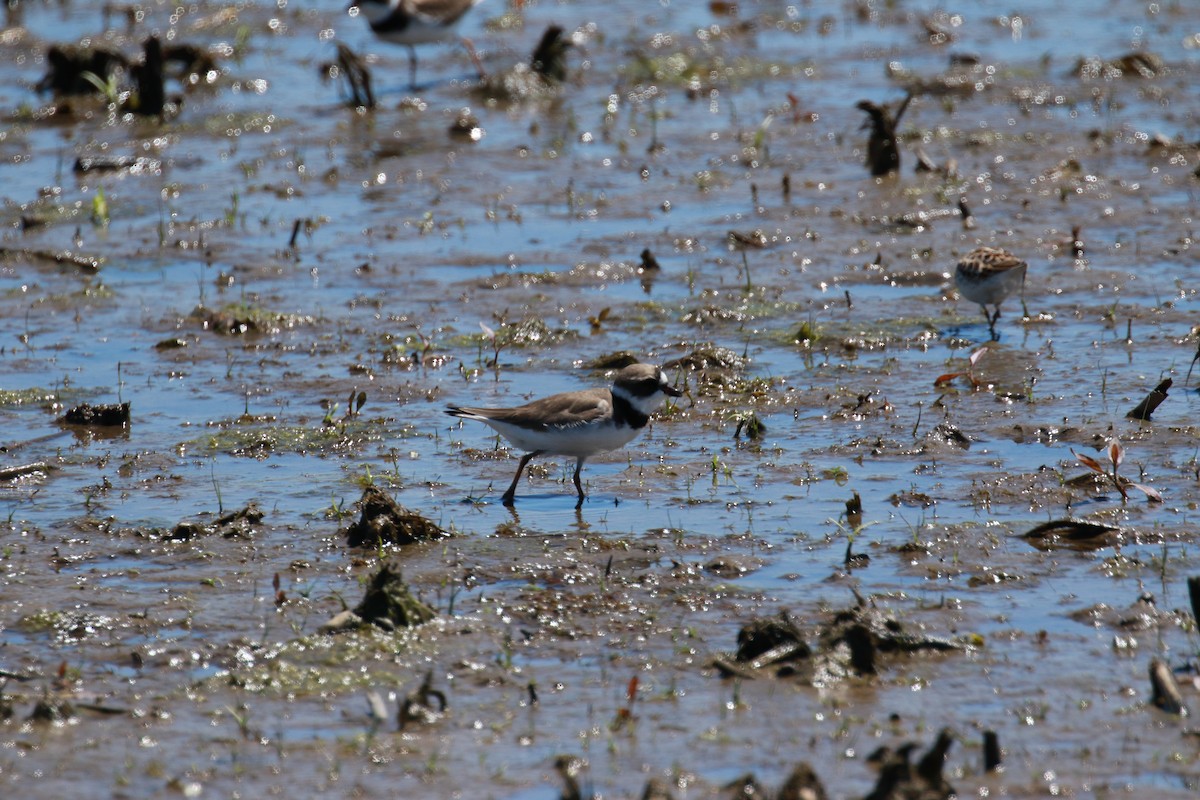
(384, 521)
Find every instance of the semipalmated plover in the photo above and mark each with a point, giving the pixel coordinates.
(989, 275)
(413, 22)
(578, 424)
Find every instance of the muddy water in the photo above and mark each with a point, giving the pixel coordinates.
(191, 675)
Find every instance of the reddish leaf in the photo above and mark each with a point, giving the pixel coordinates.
(1089, 462)
(1151, 494)
(1116, 454)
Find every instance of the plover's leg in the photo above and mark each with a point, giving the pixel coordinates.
(578, 488)
(507, 499)
(412, 68)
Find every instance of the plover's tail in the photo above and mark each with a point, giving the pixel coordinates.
(465, 413)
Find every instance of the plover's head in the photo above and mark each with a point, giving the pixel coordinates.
(644, 386)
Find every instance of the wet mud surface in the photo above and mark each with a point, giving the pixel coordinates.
(866, 522)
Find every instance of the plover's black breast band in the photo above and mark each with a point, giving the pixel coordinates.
(625, 414)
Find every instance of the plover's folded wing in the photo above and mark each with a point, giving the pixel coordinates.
(576, 409)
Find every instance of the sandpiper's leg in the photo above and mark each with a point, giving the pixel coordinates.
(578, 488)
(992, 320)
(507, 499)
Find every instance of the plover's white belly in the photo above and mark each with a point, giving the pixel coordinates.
(418, 32)
(579, 441)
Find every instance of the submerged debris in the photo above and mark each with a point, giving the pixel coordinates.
(384, 521)
(772, 640)
(64, 258)
(69, 68)
(389, 604)
(657, 789)
(1152, 401)
(617, 360)
(1166, 695)
(37, 469)
(1134, 65)
(751, 424)
(236, 524)
(226, 323)
(856, 641)
(992, 755)
(540, 78)
(649, 262)
(418, 707)
(883, 152)
(549, 58)
(648, 270)
(854, 511)
(111, 415)
(1073, 534)
(1193, 584)
(802, 784)
(747, 786)
(150, 97)
(358, 76)
(900, 780)
(1141, 615)
(52, 710)
(569, 769)
(133, 165)
(466, 126)
(708, 358)
(191, 64)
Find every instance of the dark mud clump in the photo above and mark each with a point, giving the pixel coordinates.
(883, 153)
(901, 780)
(1073, 534)
(384, 521)
(770, 641)
(69, 64)
(389, 604)
(857, 641)
(105, 416)
(234, 525)
(423, 706)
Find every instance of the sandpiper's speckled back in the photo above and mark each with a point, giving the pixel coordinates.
(988, 275)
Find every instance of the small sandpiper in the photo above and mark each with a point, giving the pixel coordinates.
(413, 22)
(578, 424)
(989, 275)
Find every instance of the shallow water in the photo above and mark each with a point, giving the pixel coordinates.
(415, 238)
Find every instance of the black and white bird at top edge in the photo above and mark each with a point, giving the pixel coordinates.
(578, 424)
(414, 22)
